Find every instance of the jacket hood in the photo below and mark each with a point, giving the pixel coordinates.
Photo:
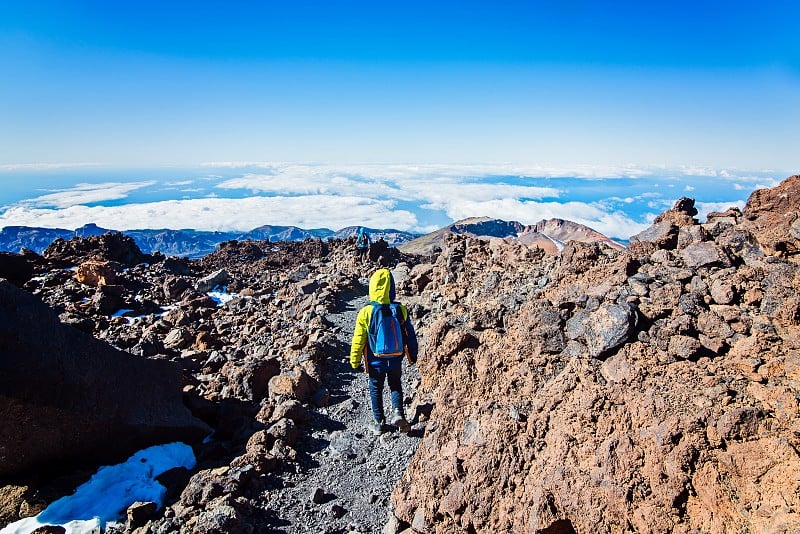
(381, 287)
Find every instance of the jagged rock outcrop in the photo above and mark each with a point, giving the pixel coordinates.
(548, 235)
(18, 268)
(111, 246)
(650, 390)
(772, 216)
(65, 396)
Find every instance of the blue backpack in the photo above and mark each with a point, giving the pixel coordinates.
(386, 330)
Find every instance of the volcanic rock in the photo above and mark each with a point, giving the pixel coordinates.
(68, 396)
(207, 283)
(16, 268)
(771, 215)
(111, 246)
(98, 273)
(671, 405)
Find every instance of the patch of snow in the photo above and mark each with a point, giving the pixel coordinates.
(220, 295)
(132, 318)
(111, 490)
(559, 244)
(71, 269)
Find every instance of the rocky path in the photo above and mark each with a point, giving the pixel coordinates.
(344, 474)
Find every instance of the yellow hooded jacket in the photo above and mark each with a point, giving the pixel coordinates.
(381, 290)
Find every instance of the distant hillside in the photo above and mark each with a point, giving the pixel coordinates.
(286, 233)
(549, 235)
(185, 242)
(395, 238)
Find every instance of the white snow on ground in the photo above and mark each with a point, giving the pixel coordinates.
(111, 490)
(220, 295)
(559, 244)
(131, 319)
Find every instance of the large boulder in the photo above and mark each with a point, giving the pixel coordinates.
(111, 246)
(771, 216)
(98, 273)
(65, 395)
(15, 268)
(665, 229)
(208, 283)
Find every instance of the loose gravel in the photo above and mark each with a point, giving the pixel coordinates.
(344, 475)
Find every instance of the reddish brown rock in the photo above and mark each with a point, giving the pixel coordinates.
(111, 246)
(686, 422)
(98, 273)
(770, 215)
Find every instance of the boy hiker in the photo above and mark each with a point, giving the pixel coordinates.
(362, 244)
(383, 334)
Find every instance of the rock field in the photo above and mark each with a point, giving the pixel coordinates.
(651, 389)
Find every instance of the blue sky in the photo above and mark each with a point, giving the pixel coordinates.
(105, 93)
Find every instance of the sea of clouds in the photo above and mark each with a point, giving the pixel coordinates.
(617, 201)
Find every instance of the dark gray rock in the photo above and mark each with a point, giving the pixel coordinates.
(663, 234)
(317, 495)
(223, 518)
(321, 397)
(15, 268)
(703, 254)
(208, 283)
(175, 286)
(65, 395)
(284, 429)
(608, 328)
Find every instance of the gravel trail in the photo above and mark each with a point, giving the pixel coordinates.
(344, 475)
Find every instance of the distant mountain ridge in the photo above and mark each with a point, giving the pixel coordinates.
(549, 234)
(184, 242)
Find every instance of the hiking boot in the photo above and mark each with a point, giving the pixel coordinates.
(400, 422)
(376, 427)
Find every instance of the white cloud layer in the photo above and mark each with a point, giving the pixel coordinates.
(314, 211)
(86, 194)
(614, 200)
(410, 171)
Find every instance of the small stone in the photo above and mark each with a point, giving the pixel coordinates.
(392, 526)
(317, 495)
(139, 512)
(336, 511)
(342, 444)
(683, 347)
(418, 523)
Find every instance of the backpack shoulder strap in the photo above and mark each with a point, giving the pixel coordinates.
(376, 307)
(397, 311)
